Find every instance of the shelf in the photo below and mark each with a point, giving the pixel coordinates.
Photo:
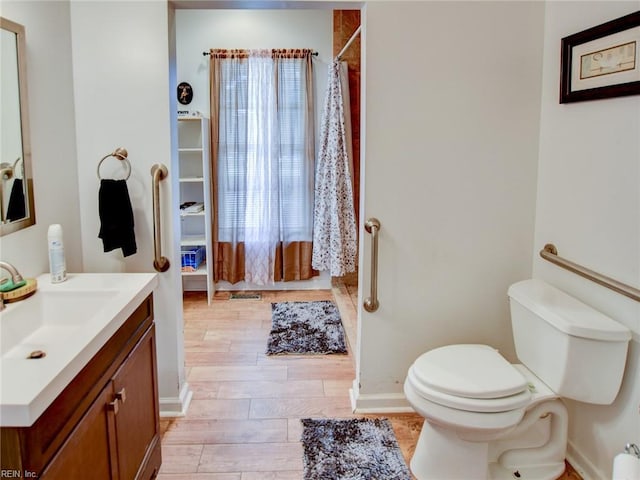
(193, 240)
(202, 270)
(194, 179)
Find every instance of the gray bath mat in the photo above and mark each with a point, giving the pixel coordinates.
(305, 328)
(353, 449)
(245, 296)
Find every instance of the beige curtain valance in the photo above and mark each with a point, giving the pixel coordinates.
(274, 52)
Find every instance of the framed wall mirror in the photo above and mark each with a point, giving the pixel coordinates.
(16, 182)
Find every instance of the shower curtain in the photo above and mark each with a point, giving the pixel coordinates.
(334, 228)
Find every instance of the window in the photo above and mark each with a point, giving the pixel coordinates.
(266, 149)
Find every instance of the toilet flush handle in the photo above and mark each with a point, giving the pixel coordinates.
(632, 449)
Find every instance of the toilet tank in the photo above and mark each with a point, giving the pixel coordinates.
(576, 350)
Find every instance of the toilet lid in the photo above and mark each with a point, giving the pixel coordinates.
(477, 405)
(469, 371)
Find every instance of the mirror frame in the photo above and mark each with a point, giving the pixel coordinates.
(30, 219)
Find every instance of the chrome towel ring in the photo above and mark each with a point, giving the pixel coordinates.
(121, 154)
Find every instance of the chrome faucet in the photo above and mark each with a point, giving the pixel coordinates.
(15, 278)
(15, 275)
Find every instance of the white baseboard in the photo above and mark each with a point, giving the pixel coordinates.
(378, 403)
(582, 465)
(176, 406)
(194, 283)
(320, 282)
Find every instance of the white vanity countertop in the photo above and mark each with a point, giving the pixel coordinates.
(100, 303)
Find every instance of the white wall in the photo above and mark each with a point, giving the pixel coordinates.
(451, 147)
(198, 31)
(53, 139)
(123, 98)
(588, 205)
(11, 139)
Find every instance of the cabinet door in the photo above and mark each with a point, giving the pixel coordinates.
(137, 425)
(88, 451)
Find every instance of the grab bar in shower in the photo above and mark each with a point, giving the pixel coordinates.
(372, 226)
(160, 263)
(550, 253)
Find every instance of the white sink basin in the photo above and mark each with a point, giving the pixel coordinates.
(69, 322)
(47, 319)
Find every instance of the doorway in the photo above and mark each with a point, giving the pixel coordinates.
(324, 30)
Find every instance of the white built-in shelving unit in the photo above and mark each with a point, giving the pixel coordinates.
(195, 186)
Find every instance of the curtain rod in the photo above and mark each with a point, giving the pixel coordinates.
(349, 42)
(204, 54)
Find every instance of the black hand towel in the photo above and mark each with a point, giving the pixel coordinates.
(116, 217)
(16, 209)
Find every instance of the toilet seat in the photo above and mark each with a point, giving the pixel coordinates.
(473, 378)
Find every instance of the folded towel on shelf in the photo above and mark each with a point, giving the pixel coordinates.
(191, 208)
(16, 209)
(116, 217)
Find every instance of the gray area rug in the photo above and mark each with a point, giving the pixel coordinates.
(352, 449)
(305, 328)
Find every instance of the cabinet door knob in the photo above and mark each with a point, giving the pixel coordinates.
(122, 395)
(113, 406)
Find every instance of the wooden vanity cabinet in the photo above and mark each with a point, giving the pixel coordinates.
(136, 415)
(105, 424)
(87, 449)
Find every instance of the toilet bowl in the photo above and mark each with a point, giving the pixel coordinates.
(486, 418)
(470, 396)
(455, 385)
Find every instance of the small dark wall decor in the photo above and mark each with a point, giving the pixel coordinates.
(185, 93)
(602, 61)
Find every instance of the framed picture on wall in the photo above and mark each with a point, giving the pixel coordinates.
(602, 61)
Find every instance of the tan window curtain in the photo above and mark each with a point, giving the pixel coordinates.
(262, 154)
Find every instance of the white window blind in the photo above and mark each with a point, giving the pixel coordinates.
(262, 153)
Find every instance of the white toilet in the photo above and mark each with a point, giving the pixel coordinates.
(488, 419)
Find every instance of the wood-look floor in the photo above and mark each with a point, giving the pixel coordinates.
(244, 420)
